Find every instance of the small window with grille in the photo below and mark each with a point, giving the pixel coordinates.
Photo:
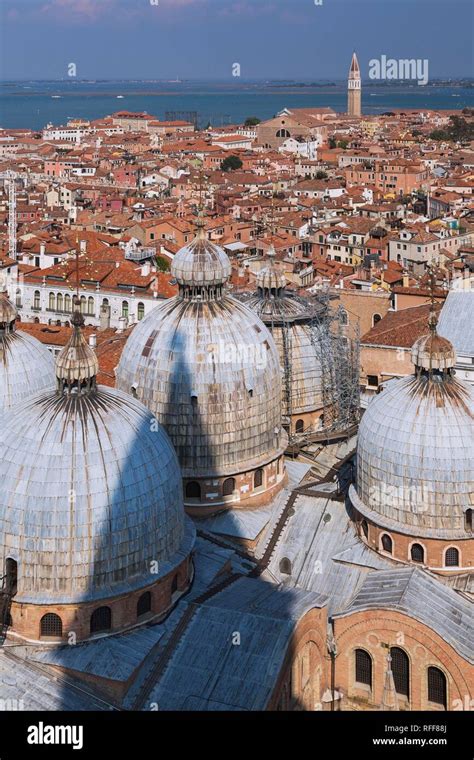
(401, 671)
(417, 553)
(437, 691)
(101, 620)
(258, 478)
(363, 667)
(451, 558)
(51, 626)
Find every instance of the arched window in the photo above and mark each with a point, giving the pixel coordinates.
(417, 553)
(468, 520)
(193, 490)
(376, 318)
(285, 566)
(125, 309)
(60, 302)
(365, 528)
(363, 667)
(37, 300)
(11, 572)
(101, 620)
(401, 671)
(174, 585)
(387, 543)
(437, 691)
(282, 133)
(140, 310)
(105, 303)
(299, 427)
(144, 604)
(51, 626)
(83, 305)
(18, 298)
(67, 303)
(228, 487)
(258, 478)
(51, 302)
(90, 306)
(451, 558)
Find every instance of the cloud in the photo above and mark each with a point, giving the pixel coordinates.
(76, 10)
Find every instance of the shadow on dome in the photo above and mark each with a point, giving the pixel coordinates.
(186, 425)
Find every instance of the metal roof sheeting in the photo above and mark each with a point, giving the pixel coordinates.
(415, 593)
(456, 321)
(210, 672)
(91, 496)
(210, 374)
(415, 455)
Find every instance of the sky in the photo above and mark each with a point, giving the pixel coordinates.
(202, 39)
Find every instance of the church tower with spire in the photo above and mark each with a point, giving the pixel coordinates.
(354, 88)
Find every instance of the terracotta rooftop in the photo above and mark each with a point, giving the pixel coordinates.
(400, 328)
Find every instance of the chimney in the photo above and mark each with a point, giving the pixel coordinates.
(146, 269)
(104, 318)
(406, 280)
(42, 249)
(122, 324)
(93, 340)
(83, 246)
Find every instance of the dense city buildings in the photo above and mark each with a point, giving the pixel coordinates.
(237, 400)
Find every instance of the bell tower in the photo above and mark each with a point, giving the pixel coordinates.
(354, 88)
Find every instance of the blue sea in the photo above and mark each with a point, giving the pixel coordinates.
(31, 104)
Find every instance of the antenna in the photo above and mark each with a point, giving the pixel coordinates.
(433, 319)
(12, 215)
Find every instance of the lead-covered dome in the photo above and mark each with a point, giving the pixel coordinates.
(91, 502)
(297, 332)
(26, 366)
(208, 368)
(202, 263)
(415, 451)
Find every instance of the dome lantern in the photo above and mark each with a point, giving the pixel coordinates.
(8, 313)
(270, 282)
(432, 354)
(77, 365)
(201, 268)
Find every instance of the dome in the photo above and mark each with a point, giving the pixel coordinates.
(91, 495)
(201, 263)
(297, 332)
(433, 351)
(8, 312)
(415, 463)
(26, 366)
(210, 373)
(77, 362)
(269, 279)
(208, 368)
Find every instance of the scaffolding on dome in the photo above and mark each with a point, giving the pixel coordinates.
(337, 344)
(337, 347)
